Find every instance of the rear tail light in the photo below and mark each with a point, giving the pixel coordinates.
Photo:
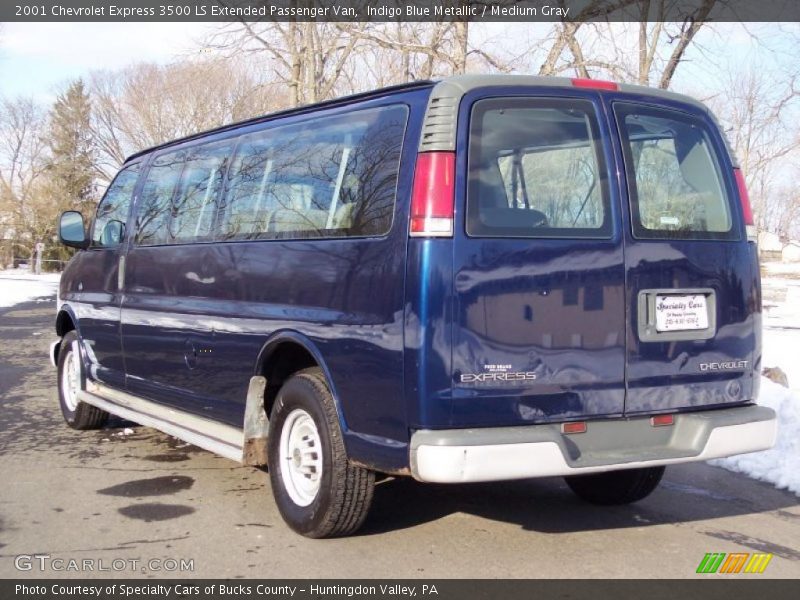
(595, 84)
(576, 427)
(744, 200)
(433, 195)
(662, 420)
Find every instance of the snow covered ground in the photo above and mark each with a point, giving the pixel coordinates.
(20, 285)
(779, 466)
(781, 299)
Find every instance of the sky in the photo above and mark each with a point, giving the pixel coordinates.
(37, 59)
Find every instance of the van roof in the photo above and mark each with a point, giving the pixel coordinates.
(439, 127)
(393, 89)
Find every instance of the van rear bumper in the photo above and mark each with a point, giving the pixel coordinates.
(54, 349)
(503, 453)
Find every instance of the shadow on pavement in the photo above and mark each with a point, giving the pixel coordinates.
(695, 492)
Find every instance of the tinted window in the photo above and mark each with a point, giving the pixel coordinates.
(536, 170)
(112, 212)
(332, 176)
(153, 213)
(195, 203)
(674, 176)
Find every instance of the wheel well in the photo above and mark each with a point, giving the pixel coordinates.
(64, 323)
(284, 360)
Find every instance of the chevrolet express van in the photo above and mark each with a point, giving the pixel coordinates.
(482, 278)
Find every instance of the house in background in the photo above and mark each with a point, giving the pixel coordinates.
(770, 246)
(791, 251)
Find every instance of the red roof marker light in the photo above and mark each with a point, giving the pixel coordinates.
(595, 84)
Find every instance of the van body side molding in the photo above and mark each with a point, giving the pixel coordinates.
(210, 435)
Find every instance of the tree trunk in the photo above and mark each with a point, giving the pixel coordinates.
(461, 34)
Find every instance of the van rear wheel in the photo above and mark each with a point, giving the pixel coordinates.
(318, 493)
(77, 414)
(616, 487)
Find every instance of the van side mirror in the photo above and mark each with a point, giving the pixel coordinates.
(113, 234)
(72, 231)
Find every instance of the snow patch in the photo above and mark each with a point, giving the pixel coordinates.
(780, 267)
(20, 285)
(780, 465)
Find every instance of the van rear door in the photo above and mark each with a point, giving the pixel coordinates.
(539, 321)
(692, 282)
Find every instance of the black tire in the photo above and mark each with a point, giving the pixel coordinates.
(345, 491)
(77, 414)
(616, 487)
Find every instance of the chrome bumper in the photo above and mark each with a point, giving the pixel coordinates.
(496, 454)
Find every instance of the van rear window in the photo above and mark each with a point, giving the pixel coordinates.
(674, 176)
(536, 169)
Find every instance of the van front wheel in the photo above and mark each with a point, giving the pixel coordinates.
(616, 487)
(318, 493)
(77, 414)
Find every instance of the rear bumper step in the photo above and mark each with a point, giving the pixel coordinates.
(503, 453)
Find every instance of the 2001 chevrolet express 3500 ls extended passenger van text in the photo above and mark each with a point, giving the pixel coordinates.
(477, 279)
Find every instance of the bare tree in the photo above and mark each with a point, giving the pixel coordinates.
(29, 204)
(756, 110)
(645, 52)
(308, 57)
(22, 144)
(148, 104)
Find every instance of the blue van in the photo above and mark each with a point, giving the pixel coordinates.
(482, 278)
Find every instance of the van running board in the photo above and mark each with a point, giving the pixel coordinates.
(215, 437)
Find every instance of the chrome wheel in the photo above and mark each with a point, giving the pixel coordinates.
(71, 378)
(300, 457)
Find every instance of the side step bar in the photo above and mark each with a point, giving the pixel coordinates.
(210, 435)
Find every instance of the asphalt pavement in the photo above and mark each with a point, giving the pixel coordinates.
(129, 501)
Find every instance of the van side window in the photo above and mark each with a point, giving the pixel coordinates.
(112, 212)
(195, 203)
(327, 177)
(674, 175)
(536, 169)
(155, 204)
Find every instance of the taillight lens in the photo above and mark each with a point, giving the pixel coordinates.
(596, 84)
(744, 197)
(433, 195)
(744, 200)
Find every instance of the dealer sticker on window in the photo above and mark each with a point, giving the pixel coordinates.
(678, 313)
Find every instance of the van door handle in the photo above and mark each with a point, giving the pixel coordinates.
(121, 273)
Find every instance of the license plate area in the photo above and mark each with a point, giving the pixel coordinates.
(676, 314)
(681, 312)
